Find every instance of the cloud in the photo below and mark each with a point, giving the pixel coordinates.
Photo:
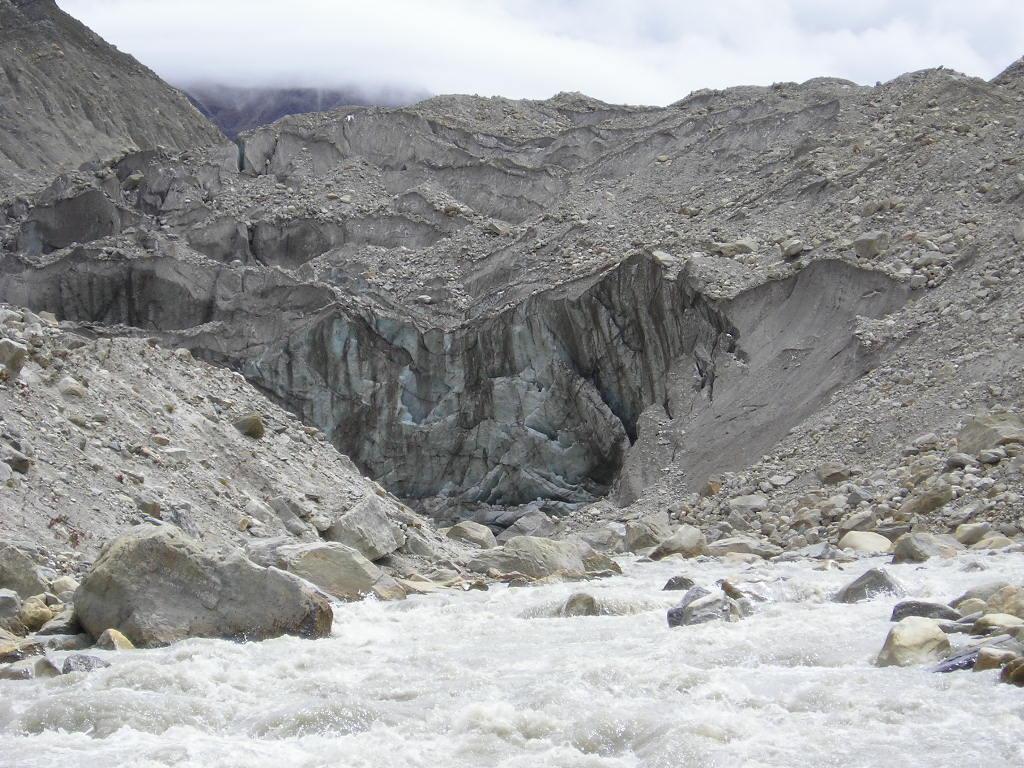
(635, 51)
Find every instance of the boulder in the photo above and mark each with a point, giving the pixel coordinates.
(751, 504)
(18, 572)
(531, 556)
(913, 640)
(388, 588)
(871, 244)
(80, 662)
(473, 533)
(990, 430)
(918, 547)
(10, 607)
(368, 527)
(23, 669)
(926, 498)
(865, 541)
(64, 587)
(687, 541)
(864, 520)
(868, 585)
(745, 545)
(995, 623)
(1013, 672)
(981, 592)
(610, 537)
(972, 606)
(832, 472)
(647, 532)
(63, 623)
(533, 523)
(993, 658)
(157, 586)
(923, 609)
(338, 570)
(34, 613)
(736, 247)
(791, 248)
(112, 640)
(420, 545)
(1009, 599)
(972, 533)
(12, 358)
(994, 541)
(14, 460)
(580, 604)
(676, 613)
(678, 584)
(700, 606)
(593, 561)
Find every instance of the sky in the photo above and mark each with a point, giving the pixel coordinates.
(626, 51)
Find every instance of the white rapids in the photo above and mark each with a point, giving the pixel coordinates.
(496, 679)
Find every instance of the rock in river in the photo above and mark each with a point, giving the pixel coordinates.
(913, 640)
(531, 556)
(867, 585)
(157, 586)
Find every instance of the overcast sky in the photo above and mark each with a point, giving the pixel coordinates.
(634, 51)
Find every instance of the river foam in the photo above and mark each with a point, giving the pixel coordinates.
(497, 679)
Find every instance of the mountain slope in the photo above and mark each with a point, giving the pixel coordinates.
(67, 97)
(488, 303)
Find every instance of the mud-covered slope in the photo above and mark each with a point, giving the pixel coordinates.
(67, 97)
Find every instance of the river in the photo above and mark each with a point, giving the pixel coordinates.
(496, 678)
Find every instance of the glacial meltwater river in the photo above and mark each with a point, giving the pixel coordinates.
(493, 678)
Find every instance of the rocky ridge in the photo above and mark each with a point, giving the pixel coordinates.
(68, 97)
(352, 213)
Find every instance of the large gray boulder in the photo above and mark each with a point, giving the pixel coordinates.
(12, 358)
(699, 606)
(868, 585)
(990, 430)
(473, 533)
(10, 607)
(927, 498)
(338, 570)
(533, 523)
(745, 545)
(157, 586)
(918, 547)
(18, 572)
(608, 537)
(368, 527)
(533, 557)
(647, 532)
(924, 609)
(687, 541)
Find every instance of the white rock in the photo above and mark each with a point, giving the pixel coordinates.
(913, 640)
(865, 541)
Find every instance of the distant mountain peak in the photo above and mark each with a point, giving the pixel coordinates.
(236, 109)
